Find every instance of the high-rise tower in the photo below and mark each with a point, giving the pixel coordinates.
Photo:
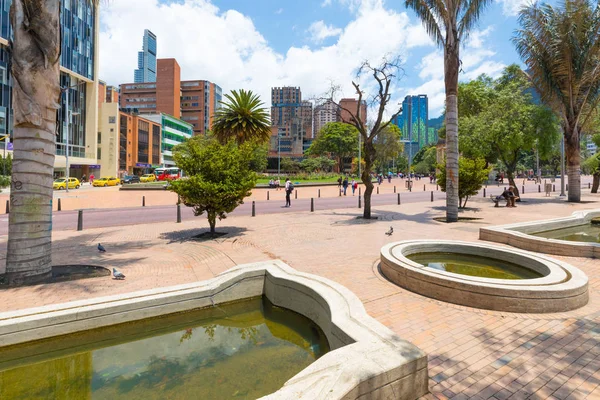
(146, 71)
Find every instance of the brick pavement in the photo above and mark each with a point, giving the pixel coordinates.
(473, 353)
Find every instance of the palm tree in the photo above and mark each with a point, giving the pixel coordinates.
(448, 22)
(561, 48)
(36, 92)
(242, 118)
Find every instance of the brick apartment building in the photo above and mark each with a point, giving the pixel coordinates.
(292, 122)
(193, 101)
(347, 105)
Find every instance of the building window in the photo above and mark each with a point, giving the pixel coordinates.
(99, 137)
(99, 153)
(143, 141)
(112, 120)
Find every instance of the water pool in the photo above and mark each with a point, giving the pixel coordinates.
(241, 350)
(581, 233)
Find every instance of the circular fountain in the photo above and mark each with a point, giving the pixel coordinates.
(485, 276)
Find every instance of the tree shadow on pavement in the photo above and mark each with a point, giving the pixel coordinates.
(382, 217)
(523, 364)
(187, 235)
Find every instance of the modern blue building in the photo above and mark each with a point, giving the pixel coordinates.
(413, 123)
(79, 20)
(146, 71)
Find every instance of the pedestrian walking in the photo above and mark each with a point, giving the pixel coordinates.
(354, 186)
(345, 185)
(289, 188)
(92, 179)
(389, 177)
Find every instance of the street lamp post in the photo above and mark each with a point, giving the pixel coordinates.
(278, 154)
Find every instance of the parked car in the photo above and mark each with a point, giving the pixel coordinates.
(106, 181)
(61, 183)
(130, 179)
(148, 178)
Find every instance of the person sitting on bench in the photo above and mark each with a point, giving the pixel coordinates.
(507, 195)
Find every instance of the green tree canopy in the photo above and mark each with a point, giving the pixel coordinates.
(316, 164)
(428, 161)
(387, 147)
(218, 176)
(471, 175)
(337, 139)
(242, 118)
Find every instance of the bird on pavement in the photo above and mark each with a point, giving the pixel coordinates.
(389, 233)
(101, 248)
(118, 274)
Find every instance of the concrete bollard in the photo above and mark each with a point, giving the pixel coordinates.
(254, 209)
(312, 204)
(80, 220)
(59, 207)
(484, 193)
(143, 201)
(268, 195)
(399, 199)
(8, 206)
(178, 213)
(359, 203)
(432, 196)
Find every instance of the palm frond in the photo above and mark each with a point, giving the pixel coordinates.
(432, 13)
(242, 118)
(470, 13)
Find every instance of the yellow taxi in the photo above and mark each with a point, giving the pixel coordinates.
(106, 181)
(61, 183)
(148, 178)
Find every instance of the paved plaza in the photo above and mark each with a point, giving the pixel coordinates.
(472, 353)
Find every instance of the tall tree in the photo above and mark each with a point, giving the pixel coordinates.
(387, 147)
(384, 75)
(561, 48)
(336, 139)
(36, 92)
(448, 22)
(243, 118)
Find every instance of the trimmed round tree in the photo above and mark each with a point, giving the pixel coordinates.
(217, 176)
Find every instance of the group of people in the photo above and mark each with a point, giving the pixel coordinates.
(275, 184)
(343, 185)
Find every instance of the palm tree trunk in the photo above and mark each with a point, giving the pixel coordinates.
(451, 67)
(369, 156)
(36, 91)
(573, 160)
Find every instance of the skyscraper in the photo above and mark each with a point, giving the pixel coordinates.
(78, 72)
(413, 124)
(291, 120)
(146, 71)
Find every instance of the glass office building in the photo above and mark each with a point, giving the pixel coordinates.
(79, 38)
(413, 124)
(146, 71)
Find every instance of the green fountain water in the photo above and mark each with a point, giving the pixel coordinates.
(580, 233)
(238, 351)
(471, 265)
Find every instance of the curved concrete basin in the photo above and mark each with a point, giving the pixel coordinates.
(366, 361)
(562, 287)
(521, 235)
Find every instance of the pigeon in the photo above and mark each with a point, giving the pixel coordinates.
(118, 274)
(389, 233)
(101, 248)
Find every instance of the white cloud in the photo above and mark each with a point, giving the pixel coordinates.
(512, 7)
(225, 47)
(320, 31)
(279, 11)
(326, 3)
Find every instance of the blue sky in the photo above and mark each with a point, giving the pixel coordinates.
(257, 44)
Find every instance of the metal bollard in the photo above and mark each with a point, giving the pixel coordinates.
(178, 213)
(80, 220)
(59, 207)
(312, 204)
(539, 188)
(8, 206)
(399, 199)
(424, 189)
(437, 187)
(359, 191)
(394, 189)
(295, 194)
(377, 189)
(143, 201)
(567, 188)
(523, 189)
(267, 195)
(484, 193)
(554, 188)
(432, 196)
(320, 193)
(254, 209)
(589, 185)
(359, 203)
